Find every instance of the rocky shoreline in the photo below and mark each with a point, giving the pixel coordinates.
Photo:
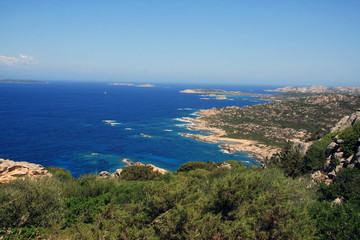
(255, 150)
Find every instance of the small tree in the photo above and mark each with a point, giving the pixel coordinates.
(289, 160)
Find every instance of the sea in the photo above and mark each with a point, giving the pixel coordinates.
(93, 127)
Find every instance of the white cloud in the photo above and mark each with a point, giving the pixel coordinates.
(23, 60)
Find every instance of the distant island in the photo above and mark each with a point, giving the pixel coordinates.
(22, 81)
(147, 85)
(267, 97)
(285, 93)
(319, 90)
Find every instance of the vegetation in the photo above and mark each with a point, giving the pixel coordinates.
(199, 201)
(138, 173)
(216, 203)
(289, 160)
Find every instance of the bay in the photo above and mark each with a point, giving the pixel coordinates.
(65, 125)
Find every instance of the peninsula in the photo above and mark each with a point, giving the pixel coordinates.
(261, 129)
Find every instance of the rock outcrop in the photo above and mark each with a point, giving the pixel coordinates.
(117, 173)
(336, 158)
(10, 170)
(347, 121)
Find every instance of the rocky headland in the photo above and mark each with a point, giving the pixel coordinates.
(255, 149)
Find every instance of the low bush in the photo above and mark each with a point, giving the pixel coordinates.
(315, 158)
(139, 173)
(31, 202)
(189, 166)
(350, 137)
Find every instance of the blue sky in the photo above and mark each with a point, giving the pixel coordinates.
(285, 42)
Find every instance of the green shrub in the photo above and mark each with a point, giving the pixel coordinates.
(85, 209)
(61, 173)
(129, 192)
(30, 202)
(315, 158)
(335, 221)
(89, 186)
(139, 173)
(345, 184)
(236, 164)
(350, 137)
(289, 160)
(189, 166)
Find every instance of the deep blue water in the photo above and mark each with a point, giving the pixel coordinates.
(61, 124)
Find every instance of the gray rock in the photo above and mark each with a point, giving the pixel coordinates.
(338, 155)
(327, 163)
(349, 159)
(315, 175)
(331, 148)
(301, 147)
(338, 168)
(338, 140)
(347, 121)
(339, 200)
(104, 174)
(118, 172)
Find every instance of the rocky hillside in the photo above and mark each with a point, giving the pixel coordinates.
(273, 123)
(342, 152)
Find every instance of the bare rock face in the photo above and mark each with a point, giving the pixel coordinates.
(347, 121)
(10, 170)
(302, 147)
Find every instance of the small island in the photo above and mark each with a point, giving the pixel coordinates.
(147, 85)
(22, 81)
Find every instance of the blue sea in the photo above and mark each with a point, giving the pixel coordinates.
(63, 124)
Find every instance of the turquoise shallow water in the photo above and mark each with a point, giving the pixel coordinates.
(62, 124)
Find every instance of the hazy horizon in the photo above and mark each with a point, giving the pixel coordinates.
(281, 43)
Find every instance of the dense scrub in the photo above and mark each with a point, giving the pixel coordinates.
(339, 220)
(217, 203)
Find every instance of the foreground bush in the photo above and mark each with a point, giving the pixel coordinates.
(223, 203)
(138, 173)
(31, 202)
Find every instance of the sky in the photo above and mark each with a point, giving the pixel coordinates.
(273, 42)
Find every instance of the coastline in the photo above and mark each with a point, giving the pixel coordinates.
(256, 150)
